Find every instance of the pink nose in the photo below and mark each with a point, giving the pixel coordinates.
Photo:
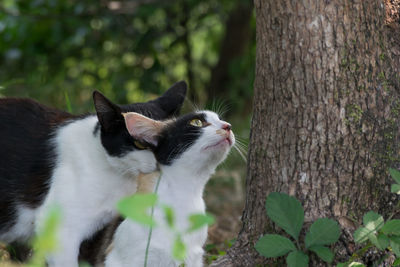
(227, 127)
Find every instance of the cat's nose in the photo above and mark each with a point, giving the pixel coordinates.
(227, 127)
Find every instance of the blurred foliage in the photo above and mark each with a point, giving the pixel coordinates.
(130, 50)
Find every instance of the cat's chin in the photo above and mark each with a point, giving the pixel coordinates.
(225, 143)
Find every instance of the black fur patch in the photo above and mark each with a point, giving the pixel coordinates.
(93, 250)
(177, 137)
(27, 156)
(114, 135)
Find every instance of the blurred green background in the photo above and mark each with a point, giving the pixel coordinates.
(59, 51)
(129, 50)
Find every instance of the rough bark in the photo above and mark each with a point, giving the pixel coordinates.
(326, 122)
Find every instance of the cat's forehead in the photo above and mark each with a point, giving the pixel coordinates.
(203, 115)
(210, 116)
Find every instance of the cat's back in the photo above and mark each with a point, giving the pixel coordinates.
(24, 112)
(26, 153)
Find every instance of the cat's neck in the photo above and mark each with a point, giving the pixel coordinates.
(184, 181)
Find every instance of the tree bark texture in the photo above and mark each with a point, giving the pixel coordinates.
(325, 127)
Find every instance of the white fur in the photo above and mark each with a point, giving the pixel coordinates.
(23, 229)
(86, 184)
(181, 187)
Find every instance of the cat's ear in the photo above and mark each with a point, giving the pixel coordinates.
(171, 101)
(143, 128)
(108, 113)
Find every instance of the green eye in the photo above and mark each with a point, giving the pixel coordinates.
(139, 145)
(196, 123)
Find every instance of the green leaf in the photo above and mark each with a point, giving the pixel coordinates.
(169, 216)
(395, 188)
(323, 252)
(341, 264)
(395, 247)
(396, 262)
(356, 264)
(361, 234)
(286, 211)
(46, 239)
(323, 231)
(373, 221)
(391, 227)
(179, 249)
(395, 239)
(272, 246)
(381, 241)
(199, 220)
(395, 175)
(297, 259)
(136, 208)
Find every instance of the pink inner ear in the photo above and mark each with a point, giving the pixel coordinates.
(143, 128)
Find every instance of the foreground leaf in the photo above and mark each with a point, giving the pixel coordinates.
(46, 240)
(272, 246)
(179, 249)
(199, 220)
(395, 189)
(169, 216)
(136, 208)
(391, 227)
(286, 211)
(297, 259)
(373, 221)
(395, 247)
(361, 234)
(356, 264)
(323, 252)
(381, 241)
(395, 239)
(395, 174)
(322, 232)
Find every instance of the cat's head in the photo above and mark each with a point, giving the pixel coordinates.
(196, 140)
(115, 137)
(121, 148)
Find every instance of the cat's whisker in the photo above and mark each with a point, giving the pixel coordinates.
(194, 106)
(241, 154)
(220, 107)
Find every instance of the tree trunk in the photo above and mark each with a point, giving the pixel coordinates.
(325, 127)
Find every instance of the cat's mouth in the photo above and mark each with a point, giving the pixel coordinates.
(227, 141)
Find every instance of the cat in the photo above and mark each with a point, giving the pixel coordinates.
(83, 164)
(188, 150)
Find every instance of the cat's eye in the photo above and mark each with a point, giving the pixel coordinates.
(196, 123)
(139, 145)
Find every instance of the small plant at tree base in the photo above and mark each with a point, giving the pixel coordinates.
(396, 176)
(287, 212)
(376, 233)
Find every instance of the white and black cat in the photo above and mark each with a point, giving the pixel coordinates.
(83, 164)
(188, 150)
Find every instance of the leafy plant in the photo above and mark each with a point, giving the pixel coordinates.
(376, 233)
(379, 233)
(396, 176)
(287, 213)
(46, 240)
(136, 208)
